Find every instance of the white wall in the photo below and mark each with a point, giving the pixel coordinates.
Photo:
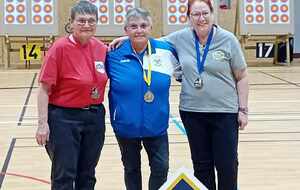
(297, 27)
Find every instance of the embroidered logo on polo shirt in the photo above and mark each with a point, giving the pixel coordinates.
(156, 61)
(100, 66)
(219, 55)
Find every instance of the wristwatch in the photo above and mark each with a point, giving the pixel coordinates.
(243, 110)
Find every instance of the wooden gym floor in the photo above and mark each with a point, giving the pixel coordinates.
(269, 152)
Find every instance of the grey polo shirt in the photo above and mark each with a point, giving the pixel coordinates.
(219, 93)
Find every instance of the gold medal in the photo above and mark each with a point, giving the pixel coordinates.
(149, 96)
(198, 83)
(95, 93)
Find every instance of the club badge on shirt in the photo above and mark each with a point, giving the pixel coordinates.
(99, 65)
(157, 61)
(219, 55)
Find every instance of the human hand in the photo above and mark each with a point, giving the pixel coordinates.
(243, 120)
(42, 133)
(117, 42)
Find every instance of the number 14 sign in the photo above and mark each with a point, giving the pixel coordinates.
(30, 52)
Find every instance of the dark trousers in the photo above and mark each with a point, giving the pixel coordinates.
(213, 140)
(157, 149)
(75, 143)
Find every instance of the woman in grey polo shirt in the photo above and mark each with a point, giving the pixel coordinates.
(214, 95)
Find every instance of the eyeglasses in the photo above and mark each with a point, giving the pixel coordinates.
(82, 22)
(197, 15)
(142, 26)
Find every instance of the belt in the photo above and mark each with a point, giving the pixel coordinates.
(89, 107)
(92, 107)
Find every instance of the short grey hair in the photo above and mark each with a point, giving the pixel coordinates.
(137, 13)
(84, 7)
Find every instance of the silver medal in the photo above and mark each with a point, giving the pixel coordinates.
(149, 96)
(95, 93)
(198, 83)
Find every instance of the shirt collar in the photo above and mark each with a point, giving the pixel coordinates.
(128, 50)
(76, 42)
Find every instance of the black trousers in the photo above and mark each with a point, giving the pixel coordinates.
(75, 143)
(157, 149)
(213, 140)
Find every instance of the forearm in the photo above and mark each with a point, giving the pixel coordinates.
(43, 100)
(243, 91)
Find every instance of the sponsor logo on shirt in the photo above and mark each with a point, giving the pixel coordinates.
(125, 61)
(100, 66)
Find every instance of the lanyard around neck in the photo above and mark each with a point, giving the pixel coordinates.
(201, 61)
(147, 75)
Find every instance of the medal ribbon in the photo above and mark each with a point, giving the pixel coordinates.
(94, 91)
(201, 61)
(147, 76)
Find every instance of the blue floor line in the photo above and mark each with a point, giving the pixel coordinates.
(178, 125)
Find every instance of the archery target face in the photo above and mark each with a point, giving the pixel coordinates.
(42, 12)
(103, 11)
(176, 12)
(279, 12)
(120, 9)
(254, 12)
(15, 12)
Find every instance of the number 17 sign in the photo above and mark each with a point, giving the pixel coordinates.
(264, 50)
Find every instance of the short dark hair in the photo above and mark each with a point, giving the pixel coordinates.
(84, 7)
(138, 13)
(191, 2)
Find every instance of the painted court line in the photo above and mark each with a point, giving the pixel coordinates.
(16, 106)
(4, 172)
(7, 159)
(271, 75)
(25, 176)
(178, 125)
(26, 101)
